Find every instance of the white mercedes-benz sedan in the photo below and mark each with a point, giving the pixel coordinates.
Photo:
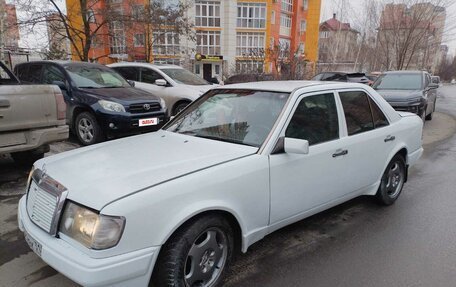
(171, 208)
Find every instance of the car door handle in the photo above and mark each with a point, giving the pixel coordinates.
(390, 138)
(4, 104)
(340, 152)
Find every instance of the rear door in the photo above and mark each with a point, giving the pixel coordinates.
(369, 138)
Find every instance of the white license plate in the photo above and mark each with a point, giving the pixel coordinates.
(148, 122)
(33, 244)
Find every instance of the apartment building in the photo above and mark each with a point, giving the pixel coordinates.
(231, 36)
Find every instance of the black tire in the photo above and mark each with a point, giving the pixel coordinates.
(392, 181)
(175, 259)
(429, 117)
(87, 129)
(27, 158)
(179, 107)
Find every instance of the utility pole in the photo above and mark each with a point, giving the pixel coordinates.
(2, 28)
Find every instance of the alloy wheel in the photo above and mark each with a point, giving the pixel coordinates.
(86, 130)
(394, 180)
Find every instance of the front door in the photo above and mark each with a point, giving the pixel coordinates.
(207, 72)
(302, 183)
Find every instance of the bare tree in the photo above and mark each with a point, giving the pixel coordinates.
(162, 23)
(288, 64)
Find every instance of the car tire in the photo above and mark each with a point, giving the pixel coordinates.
(179, 107)
(198, 254)
(392, 181)
(87, 129)
(429, 117)
(27, 158)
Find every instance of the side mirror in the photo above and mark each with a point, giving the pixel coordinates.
(61, 85)
(296, 146)
(161, 82)
(132, 83)
(433, 86)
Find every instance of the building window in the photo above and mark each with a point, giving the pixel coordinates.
(324, 34)
(273, 17)
(217, 69)
(137, 11)
(197, 69)
(139, 40)
(285, 24)
(118, 44)
(287, 5)
(305, 4)
(166, 43)
(303, 26)
(251, 15)
(208, 42)
(250, 66)
(207, 14)
(167, 61)
(250, 44)
(285, 47)
(301, 48)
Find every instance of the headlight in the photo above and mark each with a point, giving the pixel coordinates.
(111, 106)
(93, 230)
(163, 103)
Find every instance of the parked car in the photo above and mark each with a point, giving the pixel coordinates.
(174, 84)
(246, 78)
(31, 117)
(411, 91)
(372, 79)
(453, 81)
(237, 164)
(101, 104)
(342, 77)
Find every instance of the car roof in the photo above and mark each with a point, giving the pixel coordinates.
(288, 86)
(63, 63)
(145, 65)
(405, 72)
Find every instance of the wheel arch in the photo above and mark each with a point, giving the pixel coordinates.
(177, 103)
(78, 110)
(226, 213)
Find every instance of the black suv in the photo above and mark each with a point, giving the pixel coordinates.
(409, 91)
(100, 102)
(342, 77)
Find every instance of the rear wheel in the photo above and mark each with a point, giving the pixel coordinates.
(392, 182)
(197, 255)
(87, 129)
(429, 117)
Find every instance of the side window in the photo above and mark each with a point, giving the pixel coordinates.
(426, 80)
(378, 116)
(149, 76)
(315, 120)
(129, 73)
(52, 73)
(34, 74)
(357, 112)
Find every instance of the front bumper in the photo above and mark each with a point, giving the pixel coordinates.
(114, 124)
(129, 269)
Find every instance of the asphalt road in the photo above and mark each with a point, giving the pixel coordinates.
(411, 243)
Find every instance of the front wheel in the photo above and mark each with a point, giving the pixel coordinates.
(197, 255)
(87, 129)
(393, 180)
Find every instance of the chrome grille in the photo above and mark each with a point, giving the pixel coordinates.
(145, 108)
(41, 207)
(45, 200)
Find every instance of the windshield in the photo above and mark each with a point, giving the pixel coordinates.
(398, 82)
(93, 77)
(182, 76)
(237, 116)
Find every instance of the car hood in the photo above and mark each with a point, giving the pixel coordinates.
(400, 95)
(98, 175)
(124, 95)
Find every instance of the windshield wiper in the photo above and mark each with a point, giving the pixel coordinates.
(89, 87)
